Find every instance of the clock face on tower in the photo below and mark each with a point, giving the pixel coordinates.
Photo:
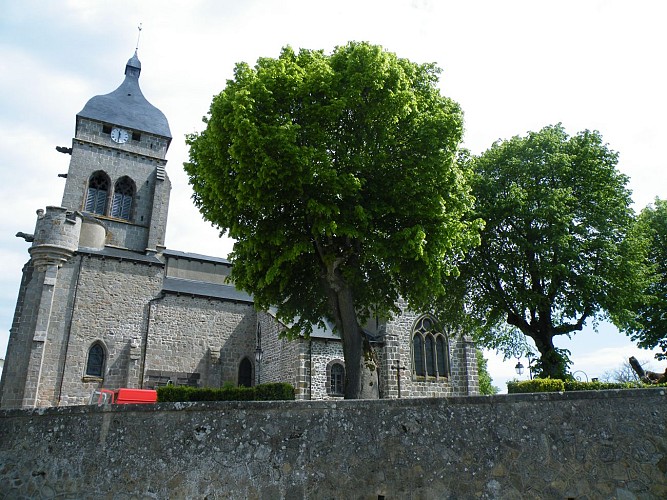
(119, 135)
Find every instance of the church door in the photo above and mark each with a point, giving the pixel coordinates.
(245, 373)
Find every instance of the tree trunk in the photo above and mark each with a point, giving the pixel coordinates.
(551, 361)
(361, 370)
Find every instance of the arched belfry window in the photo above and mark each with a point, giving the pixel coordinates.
(245, 373)
(95, 362)
(97, 194)
(430, 350)
(123, 194)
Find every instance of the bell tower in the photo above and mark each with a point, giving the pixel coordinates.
(117, 171)
(113, 214)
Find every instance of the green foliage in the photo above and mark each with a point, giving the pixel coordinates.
(262, 392)
(576, 385)
(556, 360)
(486, 386)
(337, 177)
(535, 385)
(649, 326)
(312, 158)
(557, 249)
(557, 385)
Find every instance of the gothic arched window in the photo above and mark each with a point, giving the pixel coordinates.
(98, 191)
(123, 194)
(95, 362)
(430, 350)
(245, 373)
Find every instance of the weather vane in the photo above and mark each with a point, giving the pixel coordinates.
(138, 36)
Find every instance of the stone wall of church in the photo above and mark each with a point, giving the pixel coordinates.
(38, 343)
(323, 353)
(461, 381)
(110, 308)
(592, 444)
(56, 348)
(282, 359)
(208, 337)
(19, 347)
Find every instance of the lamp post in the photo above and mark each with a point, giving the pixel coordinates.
(258, 361)
(519, 367)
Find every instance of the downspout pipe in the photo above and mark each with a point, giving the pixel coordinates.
(69, 329)
(144, 342)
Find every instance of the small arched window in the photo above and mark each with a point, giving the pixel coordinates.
(95, 362)
(98, 191)
(123, 194)
(430, 350)
(337, 380)
(245, 373)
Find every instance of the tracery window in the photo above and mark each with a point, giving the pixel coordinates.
(430, 350)
(95, 362)
(98, 191)
(123, 194)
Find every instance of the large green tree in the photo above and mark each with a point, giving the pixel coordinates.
(486, 387)
(336, 175)
(649, 327)
(556, 250)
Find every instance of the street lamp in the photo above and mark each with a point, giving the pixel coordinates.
(258, 360)
(519, 367)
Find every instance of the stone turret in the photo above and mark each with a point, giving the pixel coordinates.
(56, 237)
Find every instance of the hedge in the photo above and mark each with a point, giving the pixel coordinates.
(262, 392)
(535, 385)
(556, 385)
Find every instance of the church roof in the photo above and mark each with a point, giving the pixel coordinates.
(121, 254)
(195, 256)
(127, 107)
(203, 289)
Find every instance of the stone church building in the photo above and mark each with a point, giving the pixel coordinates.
(103, 302)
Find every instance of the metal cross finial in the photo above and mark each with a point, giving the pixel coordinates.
(138, 36)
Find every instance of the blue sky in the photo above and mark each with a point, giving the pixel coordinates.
(514, 66)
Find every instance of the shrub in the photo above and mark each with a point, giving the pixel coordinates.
(262, 392)
(556, 385)
(576, 385)
(535, 385)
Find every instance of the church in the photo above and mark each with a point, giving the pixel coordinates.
(104, 303)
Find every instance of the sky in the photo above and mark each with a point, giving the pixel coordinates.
(513, 66)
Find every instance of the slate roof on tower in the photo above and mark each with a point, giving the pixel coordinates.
(126, 106)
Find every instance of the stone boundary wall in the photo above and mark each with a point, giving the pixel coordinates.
(607, 444)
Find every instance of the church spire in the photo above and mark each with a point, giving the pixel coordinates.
(133, 66)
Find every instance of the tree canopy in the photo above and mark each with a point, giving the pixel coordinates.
(649, 327)
(557, 249)
(336, 174)
(486, 387)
